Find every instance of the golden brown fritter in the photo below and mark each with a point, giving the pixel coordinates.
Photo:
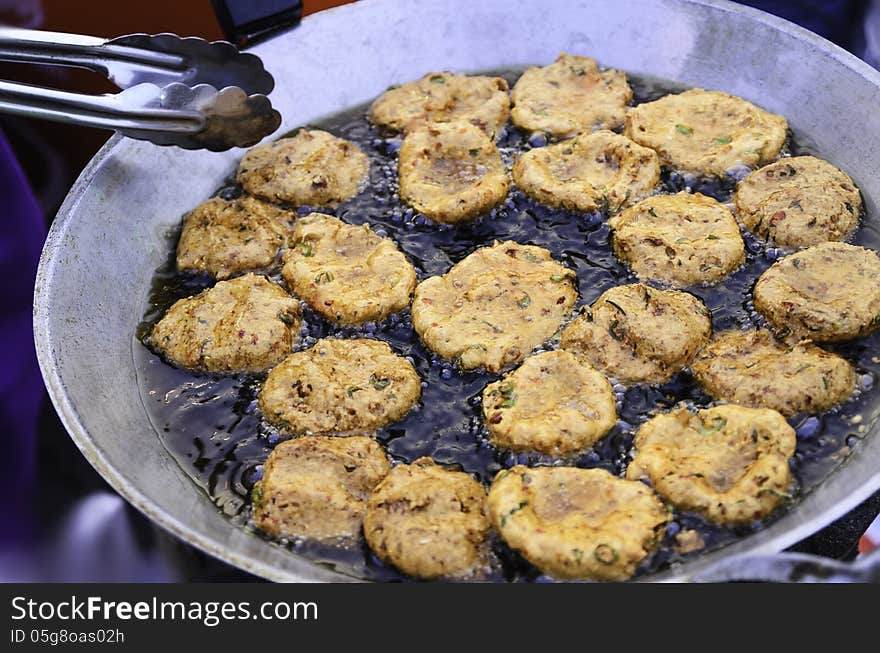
(311, 168)
(444, 97)
(552, 403)
(495, 306)
(577, 523)
(451, 172)
(570, 96)
(246, 324)
(317, 487)
(707, 132)
(826, 292)
(226, 237)
(798, 202)
(340, 386)
(592, 172)
(680, 239)
(429, 522)
(638, 334)
(728, 463)
(752, 368)
(346, 273)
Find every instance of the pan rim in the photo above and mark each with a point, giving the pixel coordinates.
(300, 569)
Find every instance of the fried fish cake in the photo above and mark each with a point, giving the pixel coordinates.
(707, 132)
(444, 97)
(225, 237)
(429, 522)
(312, 168)
(317, 487)
(798, 202)
(552, 403)
(728, 463)
(340, 386)
(495, 306)
(347, 273)
(679, 239)
(752, 368)
(597, 171)
(826, 292)
(451, 172)
(638, 334)
(577, 523)
(246, 324)
(570, 96)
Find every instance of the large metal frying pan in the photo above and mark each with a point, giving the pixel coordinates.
(108, 238)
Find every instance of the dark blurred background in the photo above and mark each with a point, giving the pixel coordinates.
(58, 505)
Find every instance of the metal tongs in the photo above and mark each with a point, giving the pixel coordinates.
(177, 91)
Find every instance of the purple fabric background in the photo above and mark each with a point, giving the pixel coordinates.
(21, 386)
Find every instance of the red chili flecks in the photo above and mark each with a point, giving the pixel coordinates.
(241, 333)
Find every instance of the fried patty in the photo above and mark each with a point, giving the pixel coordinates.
(638, 334)
(728, 463)
(451, 172)
(679, 239)
(340, 386)
(444, 97)
(707, 132)
(317, 487)
(346, 273)
(570, 96)
(246, 324)
(597, 171)
(798, 202)
(495, 306)
(826, 292)
(752, 368)
(226, 237)
(428, 522)
(577, 523)
(552, 403)
(311, 168)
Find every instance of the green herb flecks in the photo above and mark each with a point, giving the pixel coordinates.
(652, 212)
(379, 382)
(684, 129)
(524, 301)
(714, 426)
(522, 504)
(257, 494)
(724, 140)
(305, 248)
(605, 553)
(288, 319)
(353, 389)
(711, 237)
(323, 277)
(506, 390)
(437, 79)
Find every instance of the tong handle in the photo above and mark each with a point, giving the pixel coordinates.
(159, 59)
(92, 53)
(121, 112)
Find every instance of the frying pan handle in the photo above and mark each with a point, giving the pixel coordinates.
(793, 568)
